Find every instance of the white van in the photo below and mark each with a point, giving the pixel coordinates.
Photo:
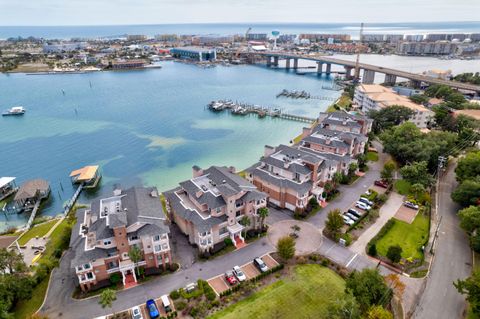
(166, 303)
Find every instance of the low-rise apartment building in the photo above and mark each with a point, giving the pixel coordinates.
(209, 207)
(345, 122)
(292, 175)
(375, 97)
(106, 232)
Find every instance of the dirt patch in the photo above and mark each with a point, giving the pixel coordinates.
(6, 241)
(406, 214)
(269, 261)
(250, 270)
(218, 284)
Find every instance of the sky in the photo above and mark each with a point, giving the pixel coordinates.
(111, 12)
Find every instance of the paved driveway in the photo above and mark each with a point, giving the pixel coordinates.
(309, 237)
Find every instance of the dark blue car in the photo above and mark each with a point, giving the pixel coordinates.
(152, 309)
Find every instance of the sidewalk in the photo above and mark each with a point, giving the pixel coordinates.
(387, 211)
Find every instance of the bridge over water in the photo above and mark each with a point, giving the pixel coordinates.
(369, 70)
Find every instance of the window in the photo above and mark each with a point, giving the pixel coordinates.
(158, 248)
(238, 213)
(134, 237)
(156, 238)
(89, 275)
(150, 257)
(222, 230)
(86, 266)
(107, 242)
(112, 264)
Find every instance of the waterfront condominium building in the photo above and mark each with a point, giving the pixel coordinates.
(325, 140)
(292, 175)
(345, 122)
(376, 97)
(209, 207)
(194, 53)
(427, 48)
(108, 230)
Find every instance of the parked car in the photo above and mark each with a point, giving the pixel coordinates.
(355, 212)
(381, 183)
(258, 262)
(152, 309)
(347, 220)
(366, 201)
(239, 273)
(136, 313)
(166, 303)
(230, 278)
(362, 205)
(410, 205)
(352, 217)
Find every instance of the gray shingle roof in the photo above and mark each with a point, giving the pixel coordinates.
(202, 224)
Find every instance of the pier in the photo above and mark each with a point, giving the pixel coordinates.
(243, 109)
(68, 206)
(303, 95)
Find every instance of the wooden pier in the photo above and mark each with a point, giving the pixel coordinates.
(33, 214)
(68, 206)
(244, 109)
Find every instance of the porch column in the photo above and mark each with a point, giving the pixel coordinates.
(134, 275)
(123, 277)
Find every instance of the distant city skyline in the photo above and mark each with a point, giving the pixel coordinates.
(121, 12)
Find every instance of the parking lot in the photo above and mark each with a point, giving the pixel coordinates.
(160, 308)
(219, 283)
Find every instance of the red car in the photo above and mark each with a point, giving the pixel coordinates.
(230, 277)
(381, 183)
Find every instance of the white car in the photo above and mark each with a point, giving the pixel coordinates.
(136, 313)
(362, 205)
(366, 201)
(352, 217)
(347, 220)
(239, 273)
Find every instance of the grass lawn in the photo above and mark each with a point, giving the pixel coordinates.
(402, 187)
(411, 237)
(305, 294)
(25, 308)
(372, 156)
(55, 240)
(39, 230)
(344, 101)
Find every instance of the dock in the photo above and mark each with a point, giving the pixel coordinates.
(237, 108)
(68, 206)
(33, 214)
(303, 95)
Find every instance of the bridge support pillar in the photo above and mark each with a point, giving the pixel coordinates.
(275, 61)
(269, 61)
(295, 64)
(390, 79)
(348, 72)
(287, 64)
(368, 77)
(329, 69)
(319, 68)
(416, 84)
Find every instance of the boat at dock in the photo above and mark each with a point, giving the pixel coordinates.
(14, 111)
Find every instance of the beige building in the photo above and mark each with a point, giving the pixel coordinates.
(209, 207)
(375, 97)
(110, 228)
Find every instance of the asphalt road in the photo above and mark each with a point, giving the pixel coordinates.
(452, 261)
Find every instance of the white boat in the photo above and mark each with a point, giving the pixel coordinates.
(16, 110)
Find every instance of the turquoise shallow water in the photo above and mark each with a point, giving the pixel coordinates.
(143, 127)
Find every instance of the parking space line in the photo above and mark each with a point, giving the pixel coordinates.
(351, 260)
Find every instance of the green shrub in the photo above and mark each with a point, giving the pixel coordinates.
(228, 241)
(348, 239)
(372, 250)
(115, 278)
(180, 305)
(174, 295)
(394, 253)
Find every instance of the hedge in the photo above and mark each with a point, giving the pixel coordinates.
(255, 279)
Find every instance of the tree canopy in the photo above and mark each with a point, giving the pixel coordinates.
(467, 193)
(389, 117)
(417, 173)
(471, 287)
(468, 167)
(286, 247)
(369, 288)
(334, 223)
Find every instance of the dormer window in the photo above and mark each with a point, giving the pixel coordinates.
(107, 242)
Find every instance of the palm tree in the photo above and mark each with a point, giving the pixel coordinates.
(135, 255)
(107, 297)
(263, 213)
(245, 221)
